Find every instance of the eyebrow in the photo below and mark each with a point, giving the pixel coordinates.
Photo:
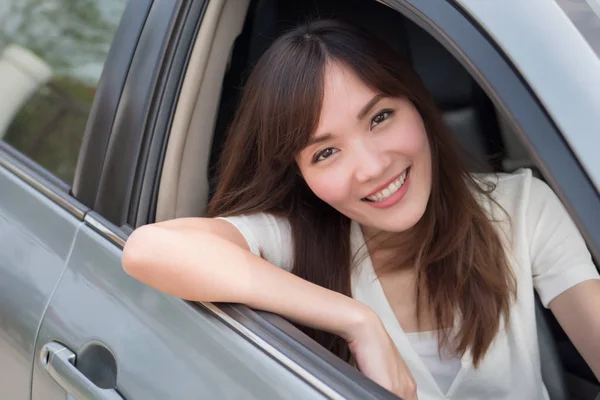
(361, 114)
(368, 106)
(318, 139)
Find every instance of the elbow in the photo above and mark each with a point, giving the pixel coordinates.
(138, 250)
(163, 259)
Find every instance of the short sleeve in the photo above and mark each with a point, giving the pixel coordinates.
(559, 256)
(268, 236)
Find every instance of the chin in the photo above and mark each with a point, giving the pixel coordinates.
(400, 225)
(399, 220)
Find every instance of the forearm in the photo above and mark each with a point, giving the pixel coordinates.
(200, 266)
(303, 302)
(577, 311)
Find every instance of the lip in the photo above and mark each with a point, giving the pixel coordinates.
(393, 199)
(386, 184)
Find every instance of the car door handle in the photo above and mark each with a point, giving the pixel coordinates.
(59, 361)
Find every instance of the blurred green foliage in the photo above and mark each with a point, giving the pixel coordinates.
(49, 128)
(67, 34)
(73, 37)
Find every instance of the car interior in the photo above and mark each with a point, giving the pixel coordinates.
(232, 37)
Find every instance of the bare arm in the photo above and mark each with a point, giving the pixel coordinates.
(578, 312)
(208, 260)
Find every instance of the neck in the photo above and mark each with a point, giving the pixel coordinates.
(387, 248)
(379, 239)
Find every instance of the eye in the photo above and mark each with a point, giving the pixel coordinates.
(379, 118)
(323, 154)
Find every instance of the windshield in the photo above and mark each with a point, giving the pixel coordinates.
(585, 15)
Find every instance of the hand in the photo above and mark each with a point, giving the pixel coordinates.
(378, 358)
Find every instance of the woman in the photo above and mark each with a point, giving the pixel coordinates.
(339, 169)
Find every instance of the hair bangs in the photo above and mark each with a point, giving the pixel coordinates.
(296, 89)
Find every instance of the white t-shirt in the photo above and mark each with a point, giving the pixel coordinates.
(547, 253)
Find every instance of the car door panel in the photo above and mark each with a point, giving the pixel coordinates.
(164, 347)
(36, 236)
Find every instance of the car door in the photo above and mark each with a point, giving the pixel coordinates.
(42, 118)
(129, 341)
(38, 223)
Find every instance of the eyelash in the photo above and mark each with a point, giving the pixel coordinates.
(385, 114)
(318, 156)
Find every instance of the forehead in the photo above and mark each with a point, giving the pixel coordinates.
(344, 95)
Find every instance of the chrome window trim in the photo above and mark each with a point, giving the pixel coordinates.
(272, 351)
(103, 229)
(54, 193)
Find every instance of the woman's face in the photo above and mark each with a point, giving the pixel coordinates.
(369, 157)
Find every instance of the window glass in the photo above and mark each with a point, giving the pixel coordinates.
(585, 15)
(51, 57)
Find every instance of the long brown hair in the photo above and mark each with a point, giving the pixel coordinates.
(460, 263)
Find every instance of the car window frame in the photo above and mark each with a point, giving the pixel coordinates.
(45, 180)
(107, 98)
(31, 165)
(69, 196)
(151, 85)
(32, 173)
(142, 203)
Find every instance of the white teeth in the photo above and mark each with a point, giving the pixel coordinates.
(390, 189)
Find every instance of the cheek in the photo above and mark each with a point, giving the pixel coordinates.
(333, 185)
(410, 140)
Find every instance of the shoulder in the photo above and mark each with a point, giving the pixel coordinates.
(268, 236)
(258, 221)
(514, 190)
(532, 207)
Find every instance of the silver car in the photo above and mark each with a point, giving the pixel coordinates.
(113, 116)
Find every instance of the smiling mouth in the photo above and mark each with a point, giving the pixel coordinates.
(389, 190)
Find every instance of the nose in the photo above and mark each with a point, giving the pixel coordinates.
(370, 161)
